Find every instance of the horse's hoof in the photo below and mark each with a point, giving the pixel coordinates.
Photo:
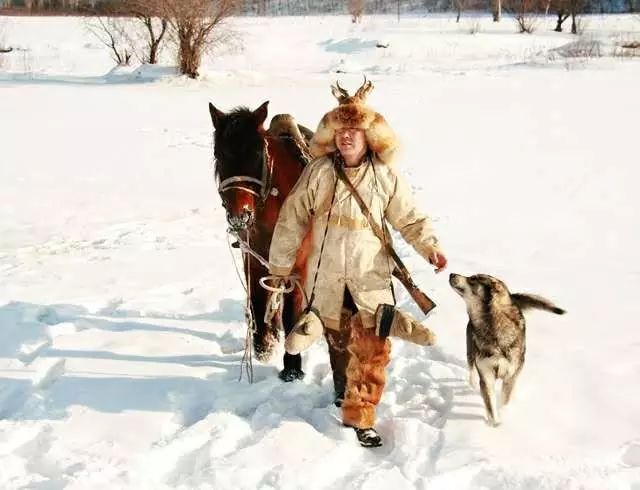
(291, 374)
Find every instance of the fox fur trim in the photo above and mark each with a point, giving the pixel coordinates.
(369, 355)
(381, 139)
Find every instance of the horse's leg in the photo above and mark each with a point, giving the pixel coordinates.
(264, 341)
(292, 363)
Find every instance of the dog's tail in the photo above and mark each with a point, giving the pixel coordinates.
(535, 302)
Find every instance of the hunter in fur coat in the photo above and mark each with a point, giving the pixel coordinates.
(354, 276)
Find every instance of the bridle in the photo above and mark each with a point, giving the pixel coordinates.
(243, 182)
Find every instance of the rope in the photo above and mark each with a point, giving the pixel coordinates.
(277, 286)
(247, 357)
(324, 238)
(246, 362)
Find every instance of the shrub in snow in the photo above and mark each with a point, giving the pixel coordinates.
(626, 45)
(585, 47)
(526, 13)
(356, 10)
(196, 27)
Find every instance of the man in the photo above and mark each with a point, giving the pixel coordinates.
(349, 270)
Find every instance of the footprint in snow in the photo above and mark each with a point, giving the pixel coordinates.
(631, 454)
(29, 351)
(48, 373)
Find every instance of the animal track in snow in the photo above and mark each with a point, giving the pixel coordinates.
(50, 371)
(29, 351)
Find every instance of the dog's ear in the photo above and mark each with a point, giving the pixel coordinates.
(535, 302)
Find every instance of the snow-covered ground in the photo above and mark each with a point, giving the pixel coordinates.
(121, 316)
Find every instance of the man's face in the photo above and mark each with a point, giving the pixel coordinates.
(351, 142)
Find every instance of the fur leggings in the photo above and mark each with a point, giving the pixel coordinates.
(358, 360)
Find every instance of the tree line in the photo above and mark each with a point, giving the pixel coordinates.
(303, 7)
(140, 28)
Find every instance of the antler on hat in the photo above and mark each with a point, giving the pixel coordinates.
(352, 112)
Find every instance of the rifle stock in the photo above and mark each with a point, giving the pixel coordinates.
(422, 300)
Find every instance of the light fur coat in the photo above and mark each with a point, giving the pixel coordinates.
(353, 256)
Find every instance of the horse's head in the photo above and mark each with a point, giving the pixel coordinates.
(241, 162)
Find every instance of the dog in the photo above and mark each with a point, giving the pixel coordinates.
(495, 334)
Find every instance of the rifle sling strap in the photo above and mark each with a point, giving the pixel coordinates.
(377, 230)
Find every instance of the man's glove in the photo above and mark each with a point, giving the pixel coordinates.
(438, 260)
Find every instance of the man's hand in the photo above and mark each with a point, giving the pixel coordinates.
(439, 261)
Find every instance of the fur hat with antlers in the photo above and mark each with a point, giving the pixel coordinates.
(352, 112)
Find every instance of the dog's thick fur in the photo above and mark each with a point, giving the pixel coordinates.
(495, 334)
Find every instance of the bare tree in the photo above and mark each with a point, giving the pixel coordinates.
(575, 8)
(151, 17)
(3, 47)
(496, 8)
(561, 8)
(356, 10)
(195, 25)
(112, 32)
(565, 9)
(462, 5)
(526, 14)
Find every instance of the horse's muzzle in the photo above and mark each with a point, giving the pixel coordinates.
(242, 221)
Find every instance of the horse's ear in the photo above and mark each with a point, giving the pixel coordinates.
(261, 113)
(216, 116)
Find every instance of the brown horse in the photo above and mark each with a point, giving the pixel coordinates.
(255, 173)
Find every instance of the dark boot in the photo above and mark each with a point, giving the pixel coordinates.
(292, 368)
(368, 437)
(291, 374)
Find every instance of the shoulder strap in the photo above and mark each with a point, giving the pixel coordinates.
(377, 230)
(401, 272)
